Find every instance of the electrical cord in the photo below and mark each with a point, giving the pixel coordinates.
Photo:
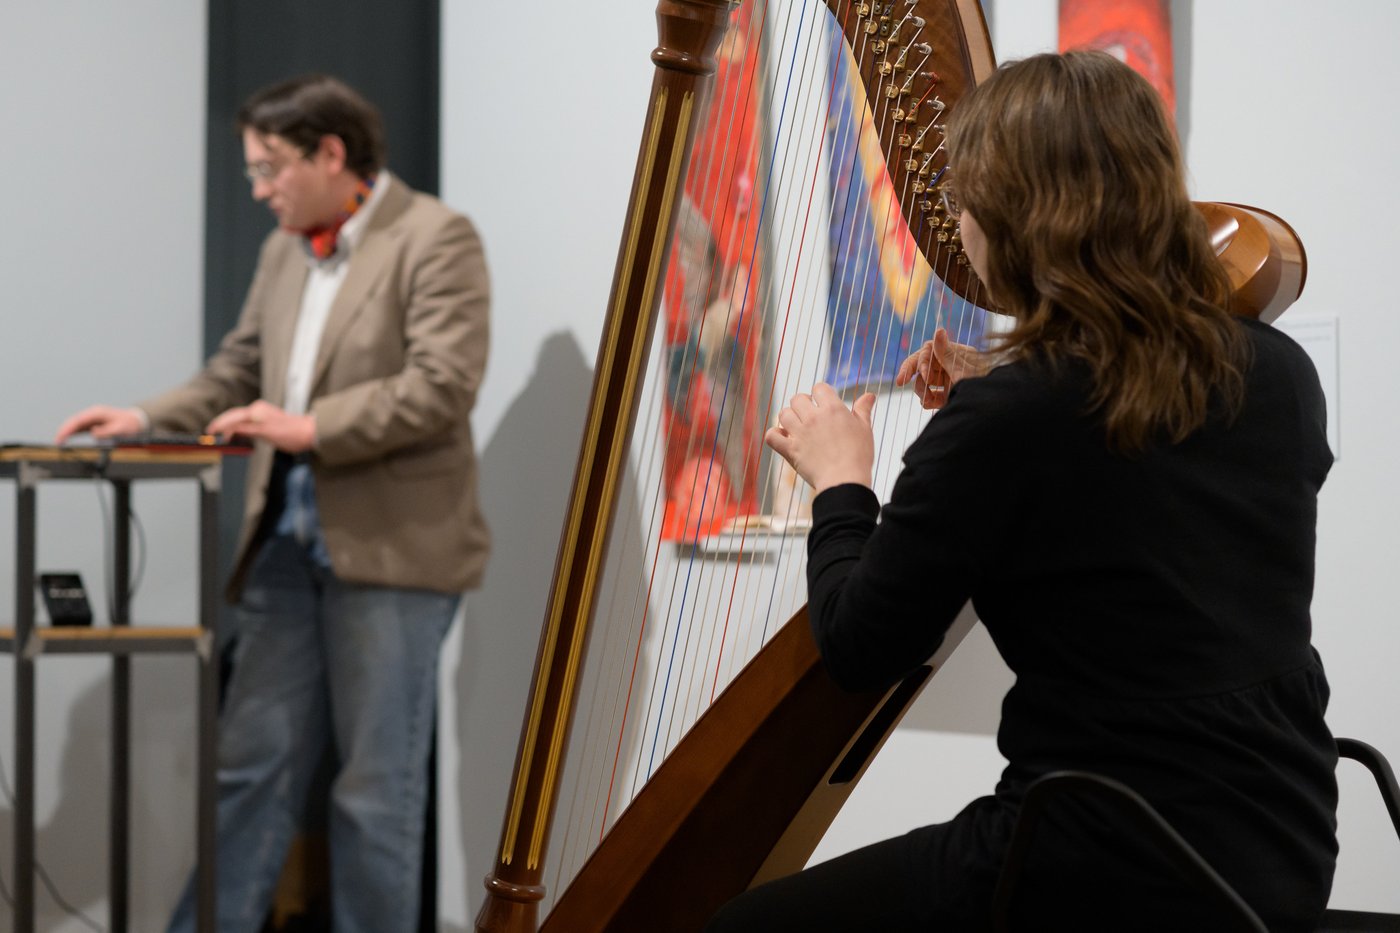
(5, 893)
(43, 874)
(109, 563)
(109, 558)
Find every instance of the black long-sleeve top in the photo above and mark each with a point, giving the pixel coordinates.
(1154, 608)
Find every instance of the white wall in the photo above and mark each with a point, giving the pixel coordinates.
(1268, 129)
(103, 116)
(101, 256)
(540, 129)
(540, 133)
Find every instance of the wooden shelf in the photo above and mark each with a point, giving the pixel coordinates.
(42, 454)
(50, 639)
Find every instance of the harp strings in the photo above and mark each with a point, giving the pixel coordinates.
(613, 769)
(672, 633)
(690, 586)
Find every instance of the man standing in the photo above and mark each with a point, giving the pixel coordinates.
(354, 367)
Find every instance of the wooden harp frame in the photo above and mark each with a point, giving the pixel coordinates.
(757, 757)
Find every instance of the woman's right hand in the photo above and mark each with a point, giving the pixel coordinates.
(937, 366)
(824, 441)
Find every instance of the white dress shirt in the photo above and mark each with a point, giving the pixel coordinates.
(322, 284)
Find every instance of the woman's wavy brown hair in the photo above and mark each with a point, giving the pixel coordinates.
(1071, 167)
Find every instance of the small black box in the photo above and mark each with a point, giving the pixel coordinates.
(65, 598)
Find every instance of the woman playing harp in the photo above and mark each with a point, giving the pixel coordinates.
(1128, 497)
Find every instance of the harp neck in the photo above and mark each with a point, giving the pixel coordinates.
(1262, 255)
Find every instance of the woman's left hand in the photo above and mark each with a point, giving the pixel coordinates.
(936, 367)
(825, 442)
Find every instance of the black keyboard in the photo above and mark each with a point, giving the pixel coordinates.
(166, 440)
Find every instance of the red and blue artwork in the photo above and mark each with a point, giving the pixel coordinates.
(884, 300)
(713, 323)
(1137, 32)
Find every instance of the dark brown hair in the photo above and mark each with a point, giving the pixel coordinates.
(1071, 167)
(304, 110)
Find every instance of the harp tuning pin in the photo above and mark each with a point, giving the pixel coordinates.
(872, 27)
(911, 165)
(938, 105)
(926, 206)
(905, 140)
(863, 10)
(887, 68)
(898, 115)
(878, 46)
(919, 187)
(918, 21)
(923, 48)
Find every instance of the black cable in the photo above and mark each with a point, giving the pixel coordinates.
(43, 874)
(109, 559)
(140, 570)
(5, 893)
(99, 471)
(68, 908)
(109, 566)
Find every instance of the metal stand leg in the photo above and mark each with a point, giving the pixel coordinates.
(24, 705)
(208, 726)
(119, 824)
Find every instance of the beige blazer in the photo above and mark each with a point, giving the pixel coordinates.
(399, 365)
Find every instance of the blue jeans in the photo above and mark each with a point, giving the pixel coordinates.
(317, 663)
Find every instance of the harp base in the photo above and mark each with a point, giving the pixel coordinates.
(509, 906)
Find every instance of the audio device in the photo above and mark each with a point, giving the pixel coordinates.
(65, 598)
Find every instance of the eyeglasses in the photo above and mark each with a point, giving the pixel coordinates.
(263, 171)
(950, 199)
(268, 169)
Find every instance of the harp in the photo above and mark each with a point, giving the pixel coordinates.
(746, 794)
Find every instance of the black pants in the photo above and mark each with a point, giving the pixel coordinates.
(884, 887)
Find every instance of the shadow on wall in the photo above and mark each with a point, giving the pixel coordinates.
(71, 835)
(70, 839)
(526, 473)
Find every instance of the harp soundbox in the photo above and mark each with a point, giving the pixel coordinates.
(748, 791)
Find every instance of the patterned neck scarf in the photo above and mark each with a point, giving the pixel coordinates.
(322, 241)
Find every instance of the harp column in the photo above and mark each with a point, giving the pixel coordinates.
(689, 32)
